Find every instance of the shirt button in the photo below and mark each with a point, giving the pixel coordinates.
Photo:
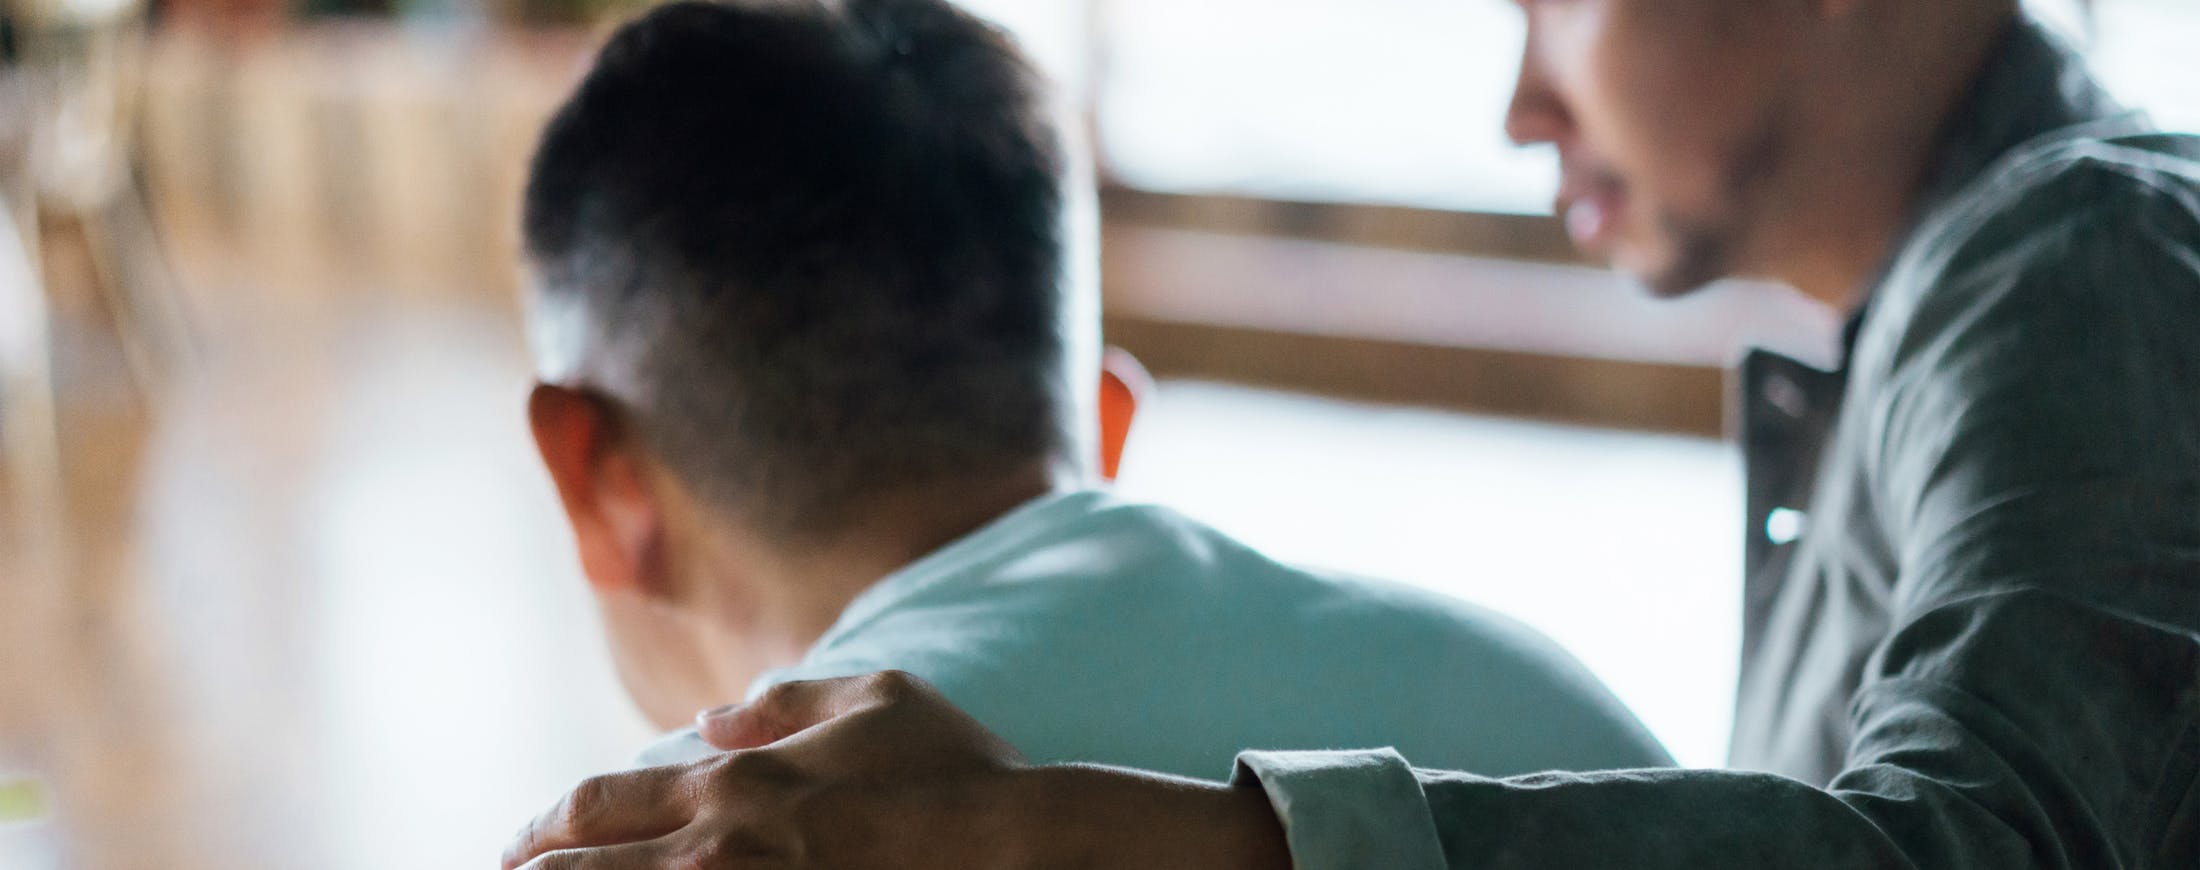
(1782, 392)
(1785, 525)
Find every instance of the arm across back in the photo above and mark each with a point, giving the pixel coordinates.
(2033, 445)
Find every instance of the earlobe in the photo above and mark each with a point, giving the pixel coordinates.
(617, 526)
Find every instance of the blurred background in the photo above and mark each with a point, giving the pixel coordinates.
(283, 586)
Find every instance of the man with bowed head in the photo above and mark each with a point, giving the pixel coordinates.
(1982, 651)
(819, 357)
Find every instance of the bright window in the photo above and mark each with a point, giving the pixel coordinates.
(1395, 102)
(2143, 50)
(1401, 102)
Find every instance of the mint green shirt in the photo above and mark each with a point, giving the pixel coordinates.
(1084, 629)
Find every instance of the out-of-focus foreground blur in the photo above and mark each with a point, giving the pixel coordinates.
(283, 586)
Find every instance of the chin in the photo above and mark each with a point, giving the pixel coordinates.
(1659, 281)
(1672, 286)
(1692, 264)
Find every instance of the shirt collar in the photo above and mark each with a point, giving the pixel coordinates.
(2032, 84)
(1010, 533)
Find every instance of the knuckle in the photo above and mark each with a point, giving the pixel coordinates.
(586, 802)
(781, 695)
(894, 685)
(708, 854)
(724, 850)
(776, 706)
(745, 770)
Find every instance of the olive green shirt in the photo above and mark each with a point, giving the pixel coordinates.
(1982, 648)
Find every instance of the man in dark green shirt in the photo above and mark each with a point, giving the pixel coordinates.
(1974, 641)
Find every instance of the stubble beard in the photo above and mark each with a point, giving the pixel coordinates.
(1703, 254)
(1707, 249)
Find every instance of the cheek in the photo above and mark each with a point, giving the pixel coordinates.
(1660, 136)
(1669, 103)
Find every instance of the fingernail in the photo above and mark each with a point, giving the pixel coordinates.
(716, 712)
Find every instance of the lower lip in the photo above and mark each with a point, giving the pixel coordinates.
(1592, 219)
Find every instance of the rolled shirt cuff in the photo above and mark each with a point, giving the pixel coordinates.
(1347, 809)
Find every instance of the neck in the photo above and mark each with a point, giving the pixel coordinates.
(1897, 74)
(787, 597)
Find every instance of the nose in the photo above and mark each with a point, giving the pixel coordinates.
(1536, 115)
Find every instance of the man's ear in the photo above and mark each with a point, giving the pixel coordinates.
(618, 523)
(1123, 385)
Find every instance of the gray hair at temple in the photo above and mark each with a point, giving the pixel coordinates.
(815, 253)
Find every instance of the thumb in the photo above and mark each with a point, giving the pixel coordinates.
(785, 710)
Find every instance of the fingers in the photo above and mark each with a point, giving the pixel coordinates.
(790, 708)
(618, 808)
(625, 856)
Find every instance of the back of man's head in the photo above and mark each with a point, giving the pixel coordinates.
(812, 251)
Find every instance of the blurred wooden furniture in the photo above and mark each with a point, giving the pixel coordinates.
(337, 159)
(29, 427)
(30, 434)
(348, 158)
(79, 62)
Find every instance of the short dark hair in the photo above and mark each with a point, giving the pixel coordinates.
(818, 247)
